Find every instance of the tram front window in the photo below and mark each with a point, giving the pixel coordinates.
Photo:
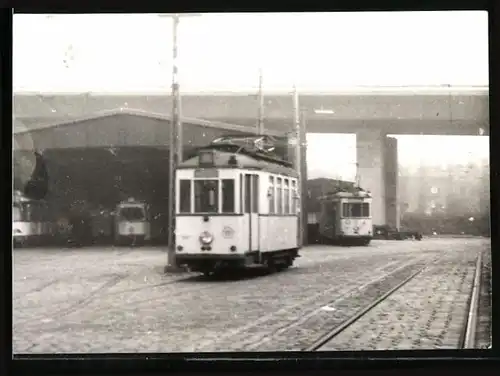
(228, 196)
(132, 214)
(206, 196)
(185, 196)
(356, 210)
(16, 213)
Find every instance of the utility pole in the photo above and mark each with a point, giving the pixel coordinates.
(176, 128)
(298, 122)
(260, 123)
(296, 126)
(303, 173)
(175, 144)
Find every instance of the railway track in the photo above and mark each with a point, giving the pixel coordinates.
(468, 337)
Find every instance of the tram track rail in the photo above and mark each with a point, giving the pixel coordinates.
(468, 338)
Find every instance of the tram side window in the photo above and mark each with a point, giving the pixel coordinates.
(271, 195)
(242, 201)
(294, 197)
(185, 196)
(228, 196)
(279, 196)
(255, 193)
(286, 197)
(206, 196)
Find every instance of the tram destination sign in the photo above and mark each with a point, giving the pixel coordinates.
(206, 173)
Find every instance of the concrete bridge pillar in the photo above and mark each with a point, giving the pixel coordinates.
(378, 170)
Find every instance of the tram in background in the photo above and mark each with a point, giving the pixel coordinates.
(345, 217)
(132, 224)
(237, 205)
(32, 221)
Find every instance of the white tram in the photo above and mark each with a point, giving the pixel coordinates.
(132, 225)
(32, 222)
(346, 217)
(236, 206)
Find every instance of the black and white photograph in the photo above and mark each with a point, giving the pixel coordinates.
(251, 182)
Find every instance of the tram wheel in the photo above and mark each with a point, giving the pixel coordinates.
(210, 273)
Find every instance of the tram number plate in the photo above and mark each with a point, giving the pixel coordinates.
(206, 173)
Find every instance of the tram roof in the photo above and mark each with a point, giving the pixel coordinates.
(245, 161)
(248, 145)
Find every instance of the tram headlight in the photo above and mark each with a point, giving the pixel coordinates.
(206, 238)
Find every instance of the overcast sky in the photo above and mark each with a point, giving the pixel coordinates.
(223, 52)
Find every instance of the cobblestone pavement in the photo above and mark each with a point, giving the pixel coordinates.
(107, 300)
(47, 279)
(427, 313)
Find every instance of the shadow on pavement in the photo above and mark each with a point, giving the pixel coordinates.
(236, 275)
